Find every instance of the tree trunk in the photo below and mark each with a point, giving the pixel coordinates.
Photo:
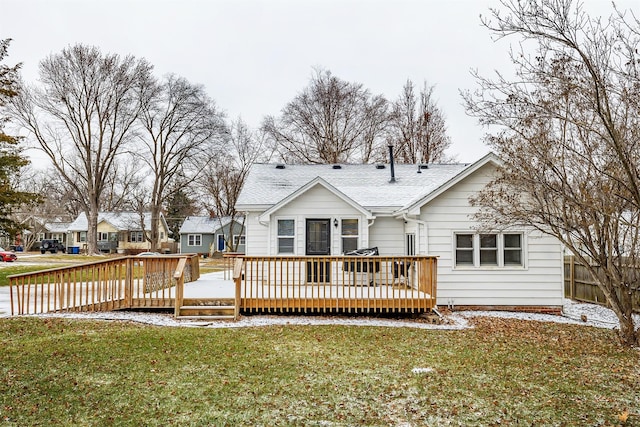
(628, 334)
(155, 221)
(92, 231)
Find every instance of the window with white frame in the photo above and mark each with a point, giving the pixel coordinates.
(40, 237)
(464, 249)
(489, 250)
(238, 240)
(349, 233)
(286, 236)
(136, 236)
(103, 237)
(410, 248)
(513, 249)
(194, 240)
(82, 236)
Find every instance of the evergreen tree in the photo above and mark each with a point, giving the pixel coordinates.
(179, 206)
(11, 158)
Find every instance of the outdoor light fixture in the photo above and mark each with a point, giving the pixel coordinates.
(335, 222)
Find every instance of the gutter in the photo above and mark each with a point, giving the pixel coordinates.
(426, 229)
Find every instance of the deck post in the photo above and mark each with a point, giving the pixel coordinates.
(178, 275)
(237, 279)
(128, 283)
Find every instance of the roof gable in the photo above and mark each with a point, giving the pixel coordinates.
(417, 203)
(317, 181)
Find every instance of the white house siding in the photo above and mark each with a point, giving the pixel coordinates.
(316, 203)
(388, 235)
(257, 235)
(539, 283)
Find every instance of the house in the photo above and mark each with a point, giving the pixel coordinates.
(310, 210)
(122, 232)
(37, 229)
(206, 235)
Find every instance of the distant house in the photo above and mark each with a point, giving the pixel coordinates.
(121, 232)
(37, 229)
(312, 210)
(206, 235)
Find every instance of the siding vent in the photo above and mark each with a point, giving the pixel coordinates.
(380, 166)
(279, 166)
(424, 166)
(336, 167)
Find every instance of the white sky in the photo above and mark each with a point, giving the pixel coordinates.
(254, 56)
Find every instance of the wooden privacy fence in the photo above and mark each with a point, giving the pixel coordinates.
(337, 283)
(579, 285)
(126, 282)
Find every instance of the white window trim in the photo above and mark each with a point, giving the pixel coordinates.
(357, 237)
(237, 238)
(199, 236)
(476, 252)
(276, 242)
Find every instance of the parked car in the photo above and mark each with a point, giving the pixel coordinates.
(7, 256)
(52, 246)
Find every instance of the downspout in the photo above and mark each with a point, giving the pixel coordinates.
(426, 230)
(369, 225)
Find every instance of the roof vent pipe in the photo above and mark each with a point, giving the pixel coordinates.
(393, 173)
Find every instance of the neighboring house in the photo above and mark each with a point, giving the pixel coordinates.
(205, 235)
(37, 229)
(120, 232)
(403, 210)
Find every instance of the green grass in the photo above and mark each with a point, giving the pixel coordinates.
(503, 372)
(19, 269)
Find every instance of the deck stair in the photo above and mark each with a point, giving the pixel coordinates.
(207, 309)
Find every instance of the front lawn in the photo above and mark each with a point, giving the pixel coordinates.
(503, 372)
(7, 271)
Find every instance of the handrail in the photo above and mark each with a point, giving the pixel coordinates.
(339, 283)
(117, 283)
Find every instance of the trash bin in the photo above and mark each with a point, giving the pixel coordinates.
(74, 250)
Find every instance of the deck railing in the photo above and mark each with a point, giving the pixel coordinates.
(125, 282)
(338, 283)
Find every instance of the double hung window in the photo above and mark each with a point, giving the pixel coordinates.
(349, 233)
(286, 236)
(489, 250)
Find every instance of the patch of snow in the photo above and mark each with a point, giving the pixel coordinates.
(421, 370)
(572, 313)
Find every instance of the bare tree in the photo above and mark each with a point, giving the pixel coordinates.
(83, 117)
(223, 180)
(124, 183)
(568, 130)
(330, 121)
(417, 127)
(182, 128)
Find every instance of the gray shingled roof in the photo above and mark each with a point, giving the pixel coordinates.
(57, 227)
(205, 224)
(365, 184)
(121, 220)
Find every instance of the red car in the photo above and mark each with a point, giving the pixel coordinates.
(7, 256)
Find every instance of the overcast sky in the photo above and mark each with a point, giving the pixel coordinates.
(254, 56)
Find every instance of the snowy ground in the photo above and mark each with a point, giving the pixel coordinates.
(573, 313)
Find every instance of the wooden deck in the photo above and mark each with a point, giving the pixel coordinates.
(256, 285)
